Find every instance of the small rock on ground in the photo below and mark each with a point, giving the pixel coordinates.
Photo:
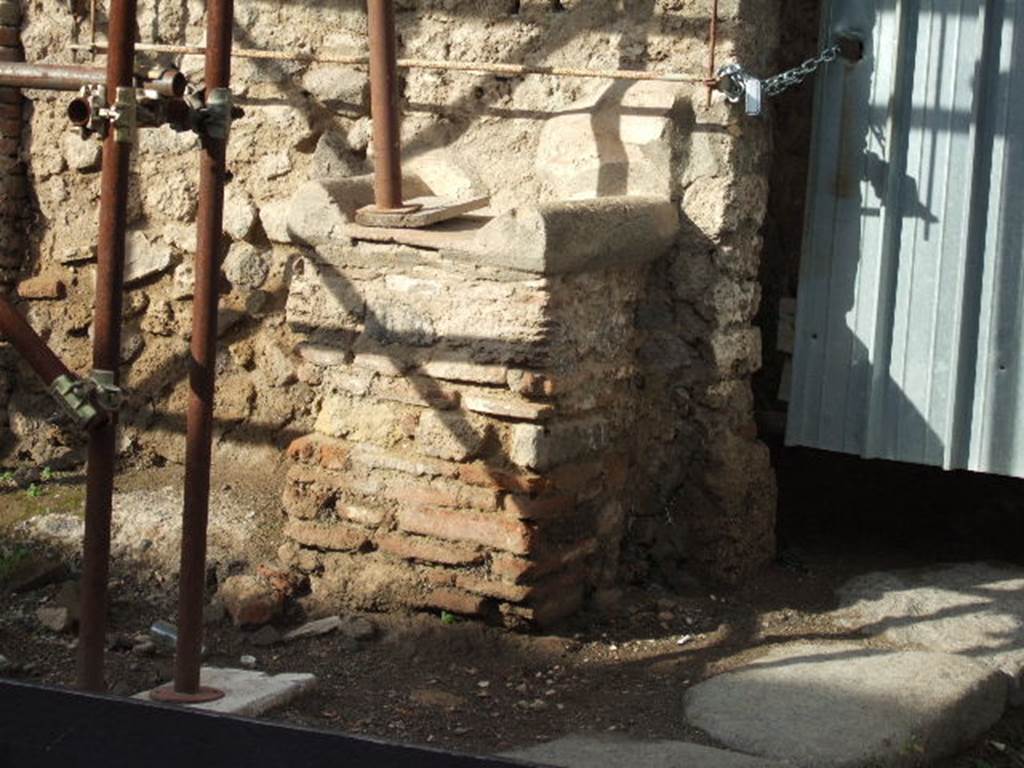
(266, 636)
(583, 751)
(56, 618)
(841, 704)
(314, 628)
(250, 600)
(973, 609)
(34, 573)
(434, 697)
(357, 628)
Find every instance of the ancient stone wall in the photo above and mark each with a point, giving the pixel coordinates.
(699, 492)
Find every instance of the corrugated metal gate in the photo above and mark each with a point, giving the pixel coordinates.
(909, 315)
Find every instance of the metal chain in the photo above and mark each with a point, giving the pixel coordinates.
(773, 86)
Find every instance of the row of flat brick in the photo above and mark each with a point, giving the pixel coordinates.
(476, 538)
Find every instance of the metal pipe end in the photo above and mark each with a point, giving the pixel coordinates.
(80, 111)
(178, 83)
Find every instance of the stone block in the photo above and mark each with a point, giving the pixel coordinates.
(144, 258)
(451, 436)
(246, 266)
(250, 600)
(334, 83)
(322, 298)
(736, 351)
(333, 158)
(319, 210)
(249, 693)
(540, 448)
(604, 751)
(362, 421)
(842, 704)
(240, 214)
(82, 155)
(618, 141)
(274, 218)
(576, 236)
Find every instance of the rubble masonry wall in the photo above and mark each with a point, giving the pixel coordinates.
(697, 491)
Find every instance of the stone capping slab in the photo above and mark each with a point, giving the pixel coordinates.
(841, 705)
(579, 235)
(550, 239)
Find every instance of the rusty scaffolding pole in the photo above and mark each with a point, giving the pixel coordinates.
(186, 687)
(74, 395)
(387, 140)
(106, 353)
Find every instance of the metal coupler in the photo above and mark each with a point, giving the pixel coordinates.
(76, 397)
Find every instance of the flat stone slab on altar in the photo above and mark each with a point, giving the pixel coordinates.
(249, 692)
(424, 212)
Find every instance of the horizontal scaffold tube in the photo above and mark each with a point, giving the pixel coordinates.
(67, 77)
(476, 67)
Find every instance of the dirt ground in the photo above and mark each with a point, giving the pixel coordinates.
(623, 666)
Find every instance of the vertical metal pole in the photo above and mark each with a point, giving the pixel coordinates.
(384, 105)
(106, 354)
(712, 50)
(212, 173)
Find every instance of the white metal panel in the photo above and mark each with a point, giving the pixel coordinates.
(909, 319)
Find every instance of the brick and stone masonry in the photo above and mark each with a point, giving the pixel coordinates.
(474, 448)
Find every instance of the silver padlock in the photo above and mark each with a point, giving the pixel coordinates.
(753, 96)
